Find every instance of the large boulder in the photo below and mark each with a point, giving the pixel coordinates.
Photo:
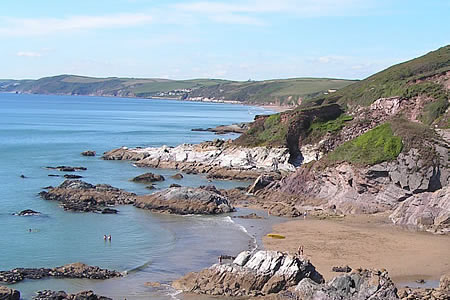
(88, 153)
(185, 200)
(259, 273)
(8, 294)
(148, 178)
(78, 195)
(360, 285)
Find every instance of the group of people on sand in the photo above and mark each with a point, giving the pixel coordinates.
(107, 237)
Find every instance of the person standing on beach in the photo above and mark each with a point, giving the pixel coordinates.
(300, 250)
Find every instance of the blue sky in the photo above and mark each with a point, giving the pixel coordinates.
(257, 39)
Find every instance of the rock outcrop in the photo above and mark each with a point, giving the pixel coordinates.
(250, 274)
(74, 270)
(61, 295)
(7, 293)
(78, 195)
(218, 159)
(185, 200)
(429, 211)
(359, 189)
(88, 153)
(148, 178)
(360, 285)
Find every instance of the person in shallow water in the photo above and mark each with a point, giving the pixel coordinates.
(105, 237)
(109, 238)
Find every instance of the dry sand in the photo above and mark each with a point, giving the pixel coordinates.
(365, 241)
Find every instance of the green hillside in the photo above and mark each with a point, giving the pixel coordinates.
(403, 80)
(281, 92)
(285, 91)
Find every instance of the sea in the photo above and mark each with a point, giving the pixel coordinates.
(38, 131)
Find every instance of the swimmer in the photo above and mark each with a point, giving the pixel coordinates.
(104, 237)
(109, 237)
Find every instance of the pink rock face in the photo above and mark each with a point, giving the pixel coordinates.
(429, 211)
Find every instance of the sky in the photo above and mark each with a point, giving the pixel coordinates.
(228, 39)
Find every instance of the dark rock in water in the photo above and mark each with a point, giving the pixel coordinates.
(177, 176)
(78, 195)
(249, 216)
(174, 185)
(47, 187)
(250, 274)
(72, 176)
(148, 177)
(345, 269)
(88, 153)
(9, 294)
(185, 200)
(67, 168)
(150, 187)
(74, 270)
(109, 211)
(28, 212)
(61, 295)
(421, 281)
(23, 176)
(53, 175)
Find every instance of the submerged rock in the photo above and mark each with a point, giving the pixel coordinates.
(74, 270)
(7, 293)
(78, 195)
(177, 176)
(67, 168)
(148, 178)
(28, 212)
(185, 200)
(72, 176)
(250, 274)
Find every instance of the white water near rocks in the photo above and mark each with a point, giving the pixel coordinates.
(39, 131)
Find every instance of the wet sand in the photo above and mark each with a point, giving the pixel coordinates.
(368, 242)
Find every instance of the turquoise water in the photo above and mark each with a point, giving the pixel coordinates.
(40, 130)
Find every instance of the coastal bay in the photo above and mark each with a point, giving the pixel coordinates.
(40, 131)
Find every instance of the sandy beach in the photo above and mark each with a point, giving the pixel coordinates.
(365, 241)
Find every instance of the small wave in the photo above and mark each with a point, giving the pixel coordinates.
(139, 268)
(228, 219)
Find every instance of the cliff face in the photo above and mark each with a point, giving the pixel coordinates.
(366, 154)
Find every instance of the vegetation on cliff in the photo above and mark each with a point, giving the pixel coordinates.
(375, 146)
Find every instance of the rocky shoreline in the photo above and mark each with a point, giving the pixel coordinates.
(74, 270)
(277, 275)
(217, 159)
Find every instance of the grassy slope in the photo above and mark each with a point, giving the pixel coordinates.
(285, 91)
(249, 92)
(395, 81)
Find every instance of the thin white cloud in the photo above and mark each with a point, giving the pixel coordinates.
(45, 26)
(303, 8)
(236, 19)
(28, 54)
